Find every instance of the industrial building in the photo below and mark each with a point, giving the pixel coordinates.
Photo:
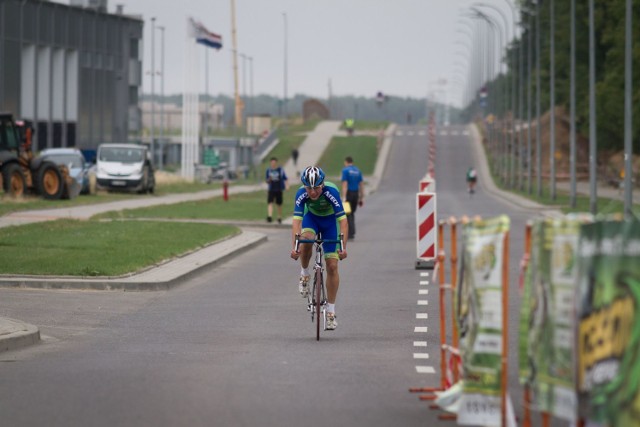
(74, 70)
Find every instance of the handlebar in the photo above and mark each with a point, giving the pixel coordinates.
(319, 241)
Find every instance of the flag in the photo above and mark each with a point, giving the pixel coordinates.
(204, 36)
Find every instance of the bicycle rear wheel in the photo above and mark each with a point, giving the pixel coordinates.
(318, 301)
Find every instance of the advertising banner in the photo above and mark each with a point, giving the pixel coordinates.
(608, 323)
(480, 315)
(553, 279)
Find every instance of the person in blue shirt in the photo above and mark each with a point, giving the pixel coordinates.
(318, 209)
(277, 181)
(352, 192)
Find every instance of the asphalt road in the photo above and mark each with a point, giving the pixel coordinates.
(235, 346)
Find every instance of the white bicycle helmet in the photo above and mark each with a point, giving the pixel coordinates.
(312, 176)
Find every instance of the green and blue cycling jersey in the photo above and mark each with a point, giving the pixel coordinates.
(328, 203)
(321, 216)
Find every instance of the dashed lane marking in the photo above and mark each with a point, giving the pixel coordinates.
(423, 302)
(422, 316)
(422, 133)
(423, 292)
(425, 370)
(419, 343)
(424, 282)
(421, 329)
(424, 274)
(420, 355)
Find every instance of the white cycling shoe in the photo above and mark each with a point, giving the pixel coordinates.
(303, 286)
(332, 323)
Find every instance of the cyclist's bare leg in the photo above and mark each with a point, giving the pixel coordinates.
(305, 250)
(333, 279)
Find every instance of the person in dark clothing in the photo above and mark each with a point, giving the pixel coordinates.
(294, 156)
(352, 192)
(277, 181)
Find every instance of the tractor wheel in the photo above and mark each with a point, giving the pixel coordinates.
(49, 182)
(14, 181)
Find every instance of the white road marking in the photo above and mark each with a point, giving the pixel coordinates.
(424, 274)
(420, 355)
(443, 133)
(425, 370)
(422, 316)
(422, 133)
(423, 292)
(466, 132)
(454, 133)
(423, 302)
(419, 343)
(421, 329)
(424, 282)
(399, 133)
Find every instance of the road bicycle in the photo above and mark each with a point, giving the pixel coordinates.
(317, 297)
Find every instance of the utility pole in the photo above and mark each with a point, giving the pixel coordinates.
(593, 193)
(160, 159)
(284, 15)
(153, 90)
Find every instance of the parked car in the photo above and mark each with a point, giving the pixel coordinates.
(78, 167)
(125, 167)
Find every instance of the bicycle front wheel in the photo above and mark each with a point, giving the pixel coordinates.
(318, 301)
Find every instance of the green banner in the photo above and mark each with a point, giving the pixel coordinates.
(546, 341)
(480, 316)
(608, 326)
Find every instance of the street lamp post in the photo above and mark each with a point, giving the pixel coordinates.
(251, 89)
(628, 113)
(153, 90)
(160, 159)
(552, 100)
(244, 87)
(284, 103)
(592, 114)
(572, 107)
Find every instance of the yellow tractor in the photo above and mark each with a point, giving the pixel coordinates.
(20, 171)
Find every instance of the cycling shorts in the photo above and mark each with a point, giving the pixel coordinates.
(328, 226)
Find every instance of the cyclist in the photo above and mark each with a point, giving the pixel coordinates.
(318, 209)
(472, 177)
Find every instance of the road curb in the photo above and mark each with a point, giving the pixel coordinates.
(15, 334)
(175, 272)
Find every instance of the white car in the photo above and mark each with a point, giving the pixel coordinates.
(125, 167)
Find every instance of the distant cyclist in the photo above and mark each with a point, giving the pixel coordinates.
(318, 209)
(472, 178)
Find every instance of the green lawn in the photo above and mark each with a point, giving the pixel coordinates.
(244, 207)
(93, 248)
(362, 148)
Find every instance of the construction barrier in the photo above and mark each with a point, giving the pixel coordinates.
(579, 337)
(427, 184)
(426, 245)
(473, 377)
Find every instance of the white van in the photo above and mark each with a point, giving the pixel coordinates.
(125, 167)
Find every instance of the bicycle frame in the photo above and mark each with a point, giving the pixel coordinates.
(317, 298)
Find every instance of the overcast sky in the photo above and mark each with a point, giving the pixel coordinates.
(399, 47)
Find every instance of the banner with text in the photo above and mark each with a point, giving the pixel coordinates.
(479, 306)
(608, 327)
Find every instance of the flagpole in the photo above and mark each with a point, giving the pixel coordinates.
(238, 112)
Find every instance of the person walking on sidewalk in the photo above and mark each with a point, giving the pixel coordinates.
(352, 192)
(277, 180)
(317, 209)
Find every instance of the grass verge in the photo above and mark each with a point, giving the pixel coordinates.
(362, 148)
(243, 207)
(92, 248)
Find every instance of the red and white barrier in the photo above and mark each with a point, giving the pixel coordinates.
(427, 247)
(427, 184)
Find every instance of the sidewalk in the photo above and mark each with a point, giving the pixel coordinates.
(15, 334)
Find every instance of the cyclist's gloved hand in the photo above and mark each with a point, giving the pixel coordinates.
(342, 254)
(360, 203)
(295, 255)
